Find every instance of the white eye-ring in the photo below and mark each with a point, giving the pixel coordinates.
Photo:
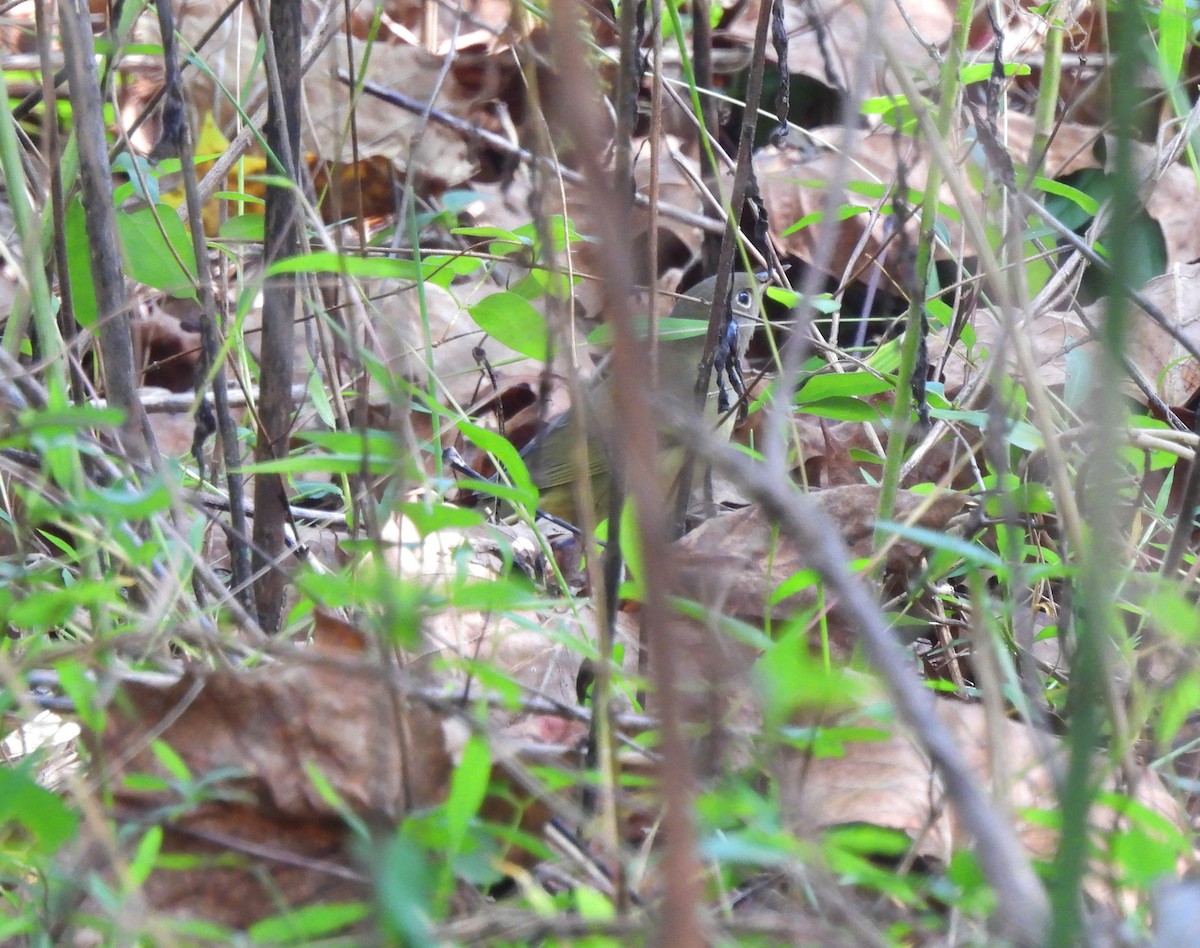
(744, 298)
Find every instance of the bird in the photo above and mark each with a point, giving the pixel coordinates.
(549, 455)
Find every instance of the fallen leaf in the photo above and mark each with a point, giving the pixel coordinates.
(254, 734)
(891, 783)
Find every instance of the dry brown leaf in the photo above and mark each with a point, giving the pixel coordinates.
(1072, 148)
(1170, 197)
(1162, 361)
(400, 318)
(335, 636)
(825, 452)
(166, 348)
(533, 649)
(724, 562)
(383, 130)
(251, 864)
(429, 148)
(1051, 336)
(733, 564)
(842, 37)
(382, 755)
(795, 185)
(891, 783)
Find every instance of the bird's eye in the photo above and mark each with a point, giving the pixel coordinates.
(744, 298)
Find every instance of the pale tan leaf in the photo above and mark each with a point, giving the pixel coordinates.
(891, 783)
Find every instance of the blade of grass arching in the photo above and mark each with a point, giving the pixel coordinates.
(689, 75)
(710, 244)
(1095, 613)
(898, 435)
(1174, 32)
(34, 270)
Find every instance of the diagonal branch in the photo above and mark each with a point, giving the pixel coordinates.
(1023, 912)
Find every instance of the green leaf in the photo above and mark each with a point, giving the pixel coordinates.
(842, 408)
(1022, 435)
(79, 265)
(789, 298)
(78, 685)
(844, 384)
(365, 267)
(468, 787)
(807, 220)
(1085, 202)
(831, 741)
(128, 501)
(513, 496)
(669, 328)
(631, 550)
(142, 863)
(971, 552)
(1174, 28)
(493, 233)
(38, 811)
(171, 761)
(786, 663)
(799, 581)
(343, 452)
(744, 848)
(894, 110)
(245, 227)
(126, 163)
(403, 889)
(514, 322)
(52, 608)
(444, 269)
(429, 518)
(499, 594)
(980, 72)
(69, 419)
(307, 923)
(321, 464)
(150, 252)
(502, 450)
